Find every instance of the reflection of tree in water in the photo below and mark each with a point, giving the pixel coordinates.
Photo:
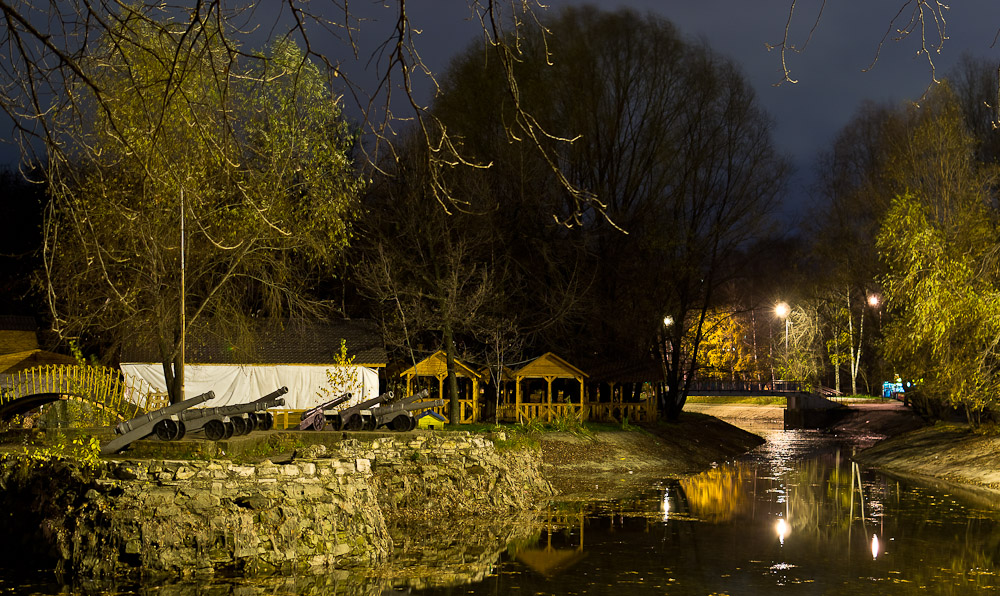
(925, 538)
(720, 494)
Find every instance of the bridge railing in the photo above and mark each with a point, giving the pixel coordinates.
(778, 386)
(108, 388)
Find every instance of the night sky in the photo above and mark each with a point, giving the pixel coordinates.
(830, 72)
(831, 82)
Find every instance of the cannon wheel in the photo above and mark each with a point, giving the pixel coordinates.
(230, 429)
(413, 423)
(265, 421)
(239, 425)
(167, 430)
(369, 423)
(181, 430)
(400, 423)
(355, 422)
(215, 430)
(319, 423)
(251, 422)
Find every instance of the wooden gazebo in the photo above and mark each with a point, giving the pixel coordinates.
(436, 366)
(549, 367)
(624, 389)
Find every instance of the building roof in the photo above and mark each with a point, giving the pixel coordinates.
(17, 334)
(548, 364)
(12, 363)
(276, 342)
(437, 365)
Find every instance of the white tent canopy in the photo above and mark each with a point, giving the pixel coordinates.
(238, 384)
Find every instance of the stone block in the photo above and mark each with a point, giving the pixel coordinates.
(243, 471)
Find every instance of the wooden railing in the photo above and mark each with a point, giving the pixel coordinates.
(107, 388)
(644, 411)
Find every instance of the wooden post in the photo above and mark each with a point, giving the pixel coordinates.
(475, 400)
(517, 398)
(548, 417)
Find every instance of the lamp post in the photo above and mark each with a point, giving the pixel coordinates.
(783, 310)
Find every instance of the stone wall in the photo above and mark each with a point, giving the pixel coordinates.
(324, 509)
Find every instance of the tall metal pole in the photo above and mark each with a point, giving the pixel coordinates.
(786, 339)
(183, 309)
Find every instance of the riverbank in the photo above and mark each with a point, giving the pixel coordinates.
(315, 509)
(613, 464)
(375, 501)
(949, 452)
(949, 455)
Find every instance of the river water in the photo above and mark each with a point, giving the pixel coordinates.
(795, 516)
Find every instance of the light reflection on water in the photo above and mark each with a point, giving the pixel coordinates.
(795, 516)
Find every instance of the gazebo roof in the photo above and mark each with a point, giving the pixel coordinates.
(549, 365)
(436, 365)
(506, 374)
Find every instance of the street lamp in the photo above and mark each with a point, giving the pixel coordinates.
(783, 310)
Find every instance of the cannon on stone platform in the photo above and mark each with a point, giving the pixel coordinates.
(224, 422)
(399, 415)
(358, 416)
(144, 425)
(315, 418)
(172, 422)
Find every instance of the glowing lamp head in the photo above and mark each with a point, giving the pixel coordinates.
(782, 309)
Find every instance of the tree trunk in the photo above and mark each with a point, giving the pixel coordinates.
(454, 408)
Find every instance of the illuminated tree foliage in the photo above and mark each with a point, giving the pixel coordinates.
(192, 188)
(939, 243)
(726, 348)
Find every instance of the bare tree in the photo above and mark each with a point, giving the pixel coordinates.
(924, 20)
(677, 148)
(46, 46)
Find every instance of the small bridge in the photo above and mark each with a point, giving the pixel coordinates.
(773, 388)
(105, 388)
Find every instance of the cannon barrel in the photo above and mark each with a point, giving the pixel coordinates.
(142, 426)
(315, 418)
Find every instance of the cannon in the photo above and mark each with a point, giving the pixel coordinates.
(399, 415)
(315, 418)
(358, 416)
(224, 422)
(166, 418)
